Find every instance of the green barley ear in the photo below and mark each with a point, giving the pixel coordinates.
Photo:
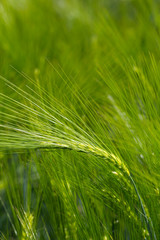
(53, 130)
(27, 225)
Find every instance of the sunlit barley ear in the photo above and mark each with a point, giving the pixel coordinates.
(50, 129)
(26, 220)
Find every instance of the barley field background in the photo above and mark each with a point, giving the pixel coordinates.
(80, 119)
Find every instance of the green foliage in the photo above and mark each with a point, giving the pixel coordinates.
(79, 119)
